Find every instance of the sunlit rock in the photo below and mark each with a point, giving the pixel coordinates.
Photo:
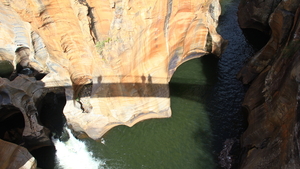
(18, 44)
(115, 58)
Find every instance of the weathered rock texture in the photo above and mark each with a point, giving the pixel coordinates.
(15, 157)
(127, 49)
(272, 138)
(115, 58)
(118, 56)
(23, 94)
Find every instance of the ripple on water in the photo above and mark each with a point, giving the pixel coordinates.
(228, 92)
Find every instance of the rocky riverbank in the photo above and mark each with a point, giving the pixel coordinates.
(272, 101)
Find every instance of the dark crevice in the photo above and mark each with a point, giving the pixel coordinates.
(256, 38)
(46, 24)
(208, 45)
(92, 20)
(30, 72)
(244, 113)
(11, 125)
(265, 143)
(45, 157)
(82, 94)
(167, 18)
(51, 112)
(50, 116)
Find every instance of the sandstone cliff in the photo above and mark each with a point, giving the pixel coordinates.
(118, 56)
(114, 58)
(272, 101)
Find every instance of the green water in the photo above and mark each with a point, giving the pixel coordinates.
(6, 68)
(182, 141)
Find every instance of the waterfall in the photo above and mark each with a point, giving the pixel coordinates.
(73, 154)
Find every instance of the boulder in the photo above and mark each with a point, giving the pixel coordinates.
(15, 157)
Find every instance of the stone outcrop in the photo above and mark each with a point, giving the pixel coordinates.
(115, 58)
(272, 137)
(15, 157)
(23, 94)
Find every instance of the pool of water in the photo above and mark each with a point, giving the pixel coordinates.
(182, 141)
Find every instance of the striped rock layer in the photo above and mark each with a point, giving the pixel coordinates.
(115, 58)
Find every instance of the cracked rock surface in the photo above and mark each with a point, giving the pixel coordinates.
(272, 137)
(127, 50)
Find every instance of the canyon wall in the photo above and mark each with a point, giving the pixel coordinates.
(272, 101)
(113, 58)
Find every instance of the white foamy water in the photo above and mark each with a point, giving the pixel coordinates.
(73, 154)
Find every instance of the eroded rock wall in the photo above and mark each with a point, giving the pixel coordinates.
(24, 94)
(114, 57)
(272, 137)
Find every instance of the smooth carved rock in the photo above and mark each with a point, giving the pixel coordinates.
(18, 44)
(255, 14)
(280, 22)
(24, 93)
(15, 157)
(272, 137)
(115, 58)
(147, 42)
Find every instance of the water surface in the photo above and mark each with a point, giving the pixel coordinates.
(182, 141)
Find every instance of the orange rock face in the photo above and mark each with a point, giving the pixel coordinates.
(127, 49)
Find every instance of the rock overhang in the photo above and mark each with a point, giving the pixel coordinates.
(128, 51)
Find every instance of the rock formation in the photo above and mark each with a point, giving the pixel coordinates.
(272, 137)
(23, 94)
(114, 58)
(14, 156)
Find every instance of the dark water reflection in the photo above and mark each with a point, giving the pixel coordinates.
(224, 107)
